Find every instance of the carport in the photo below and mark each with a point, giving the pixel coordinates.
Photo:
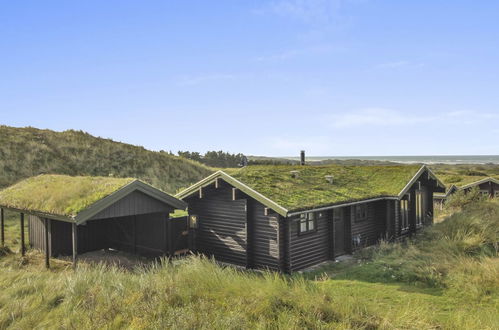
(70, 215)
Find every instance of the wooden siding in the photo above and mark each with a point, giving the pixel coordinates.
(135, 203)
(221, 228)
(265, 249)
(36, 228)
(60, 238)
(369, 231)
(309, 248)
(145, 234)
(491, 187)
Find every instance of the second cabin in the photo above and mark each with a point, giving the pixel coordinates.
(289, 218)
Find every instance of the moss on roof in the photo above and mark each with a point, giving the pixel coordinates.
(59, 194)
(462, 180)
(311, 190)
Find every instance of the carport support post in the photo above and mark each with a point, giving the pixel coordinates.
(23, 248)
(75, 242)
(2, 230)
(47, 247)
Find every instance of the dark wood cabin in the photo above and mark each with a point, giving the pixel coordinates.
(74, 215)
(289, 218)
(488, 187)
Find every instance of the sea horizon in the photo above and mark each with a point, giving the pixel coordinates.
(427, 159)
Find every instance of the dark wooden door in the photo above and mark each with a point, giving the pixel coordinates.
(339, 231)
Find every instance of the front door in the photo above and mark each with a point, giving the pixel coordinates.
(339, 231)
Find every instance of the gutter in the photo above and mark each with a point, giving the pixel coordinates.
(325, 208)
(70, 219)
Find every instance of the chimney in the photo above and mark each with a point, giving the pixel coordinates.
(302, 157)
(329, 178)
(294, 174)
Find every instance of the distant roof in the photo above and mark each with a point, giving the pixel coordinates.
(277, 189)
(479, 182)
(67, 197)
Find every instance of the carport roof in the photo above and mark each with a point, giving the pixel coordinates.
(75, 198)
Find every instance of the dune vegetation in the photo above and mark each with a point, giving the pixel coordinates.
(27, 152)
(447, 277)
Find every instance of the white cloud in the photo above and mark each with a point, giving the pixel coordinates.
(387, 117)
(307, 10)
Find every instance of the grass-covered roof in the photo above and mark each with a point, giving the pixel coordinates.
(59, 194)
(310, 189)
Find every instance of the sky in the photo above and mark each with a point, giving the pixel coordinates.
(332, 77)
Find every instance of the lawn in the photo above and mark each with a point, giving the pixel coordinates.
(447, 277)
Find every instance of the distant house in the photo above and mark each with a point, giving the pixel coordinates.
(71, 215)
(292, 217)
(487, 186)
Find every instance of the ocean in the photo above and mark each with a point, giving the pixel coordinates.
(461, 159)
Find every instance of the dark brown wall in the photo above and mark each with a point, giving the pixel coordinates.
(36, 227)
(265, 241)
(310, 248)
(145, 234)
(222, 224)
(491, 187)
(135, 203)
(372, 229)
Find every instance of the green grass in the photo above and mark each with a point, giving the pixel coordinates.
(59, 194)
(27, 152)
(461, 175)
(446, 278)
(310, 188)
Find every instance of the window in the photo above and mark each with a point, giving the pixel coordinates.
(307, 222)
(496, 194)
(404, 215)
(419, 208)
(485, 193)
(361, 212)
(193, 221)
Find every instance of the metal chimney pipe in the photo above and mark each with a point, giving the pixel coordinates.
(302, 157)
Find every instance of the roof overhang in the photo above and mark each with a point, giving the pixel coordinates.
(476, 183)
(39, 214)
(135, 185)
(107, 201)
(336, 206)
(237, 184)
(209, 180)
(416, 177)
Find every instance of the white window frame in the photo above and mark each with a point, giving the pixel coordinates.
(307, 223)
(419, 208)
(361, 212)
(404, 215)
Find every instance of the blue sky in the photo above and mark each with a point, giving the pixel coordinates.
(333, 77)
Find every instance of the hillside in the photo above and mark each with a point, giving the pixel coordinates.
(26, 152)
(446, 278)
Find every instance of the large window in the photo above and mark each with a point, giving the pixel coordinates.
(404, 215)
(307, 222)
(419, 208)
(361, 212)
